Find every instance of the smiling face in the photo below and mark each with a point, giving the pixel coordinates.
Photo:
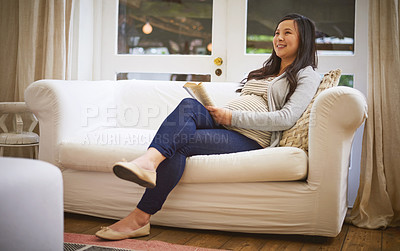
(286, 41)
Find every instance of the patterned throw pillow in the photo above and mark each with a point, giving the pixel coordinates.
(297, 136)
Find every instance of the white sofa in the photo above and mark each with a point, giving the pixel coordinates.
(86, 126)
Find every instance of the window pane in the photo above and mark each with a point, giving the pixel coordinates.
(165, 27)
(346, 80)
(164, 76)
(334, 22)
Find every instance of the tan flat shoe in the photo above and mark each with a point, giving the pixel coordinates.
(131, 172)
(109, 234)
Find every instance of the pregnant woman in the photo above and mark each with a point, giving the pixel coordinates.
(272, 99)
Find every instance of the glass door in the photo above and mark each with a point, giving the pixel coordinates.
(251, 30)
(342, 36)
(165, 40)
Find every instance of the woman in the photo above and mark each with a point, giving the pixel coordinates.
(272, 99)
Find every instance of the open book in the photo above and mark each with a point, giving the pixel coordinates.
(199, 92)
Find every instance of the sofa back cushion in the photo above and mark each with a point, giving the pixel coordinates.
(297, 136)
(144, 104)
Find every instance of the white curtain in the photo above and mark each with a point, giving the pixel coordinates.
(378, 200)
(35, 43)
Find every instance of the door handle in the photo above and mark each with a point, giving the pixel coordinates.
(218, 61)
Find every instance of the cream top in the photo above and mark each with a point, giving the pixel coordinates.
(254, 97)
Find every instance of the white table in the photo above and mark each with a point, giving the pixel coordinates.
(31, 205)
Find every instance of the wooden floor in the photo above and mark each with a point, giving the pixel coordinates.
(350, 238)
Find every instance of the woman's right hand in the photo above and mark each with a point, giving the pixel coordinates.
(221, 116)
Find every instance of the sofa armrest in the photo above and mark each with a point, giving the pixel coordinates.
(334, 119)
(63, 108)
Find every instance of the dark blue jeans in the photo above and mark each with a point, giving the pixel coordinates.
(189, 130)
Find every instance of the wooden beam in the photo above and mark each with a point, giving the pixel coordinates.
(170, 9)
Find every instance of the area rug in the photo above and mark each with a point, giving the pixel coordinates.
(80, 242)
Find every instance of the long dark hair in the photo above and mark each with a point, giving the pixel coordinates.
(306, 54)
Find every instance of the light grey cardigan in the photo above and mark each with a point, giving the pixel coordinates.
(281, 115)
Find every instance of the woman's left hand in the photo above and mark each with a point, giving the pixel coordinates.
(220, 115)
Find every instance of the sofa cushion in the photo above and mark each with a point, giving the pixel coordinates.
(99, 150)
(297, 135)
(267, 164)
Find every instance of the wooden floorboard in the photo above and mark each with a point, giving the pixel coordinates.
(350, 238)
(82, 224)
(245, 242)
(209, 239)
(174, 235)
(363, 239)
(391, 239)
